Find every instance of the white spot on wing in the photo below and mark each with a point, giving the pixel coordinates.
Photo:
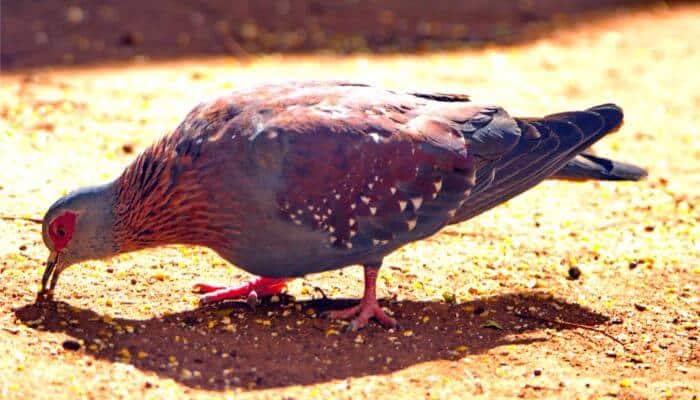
(402, 205)
(364, 199)
(373, 210)
(416, 201)
(375, 136)
(438, 185)
(392, 190)
(411, 224)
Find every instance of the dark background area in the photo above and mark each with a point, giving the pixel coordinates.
(54, 32)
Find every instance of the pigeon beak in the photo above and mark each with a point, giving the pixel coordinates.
(53, 269)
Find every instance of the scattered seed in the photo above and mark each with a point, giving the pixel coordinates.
(489, 323)
(449, 297)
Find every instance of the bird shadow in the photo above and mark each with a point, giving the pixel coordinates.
(287, 343)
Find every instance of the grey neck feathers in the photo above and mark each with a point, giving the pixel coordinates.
(93, 237)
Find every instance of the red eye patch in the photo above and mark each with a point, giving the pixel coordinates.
(61, 230)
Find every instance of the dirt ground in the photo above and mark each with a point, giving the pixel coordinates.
(488, 307)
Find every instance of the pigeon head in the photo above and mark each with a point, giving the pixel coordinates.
(76, 228)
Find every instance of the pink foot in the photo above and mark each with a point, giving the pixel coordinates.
(251, 291)
(368, 307)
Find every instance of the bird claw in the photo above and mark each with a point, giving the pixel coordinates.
(361, 314)
(251, 292)
(252, 299)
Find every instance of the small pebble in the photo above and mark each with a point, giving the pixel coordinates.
(537, 372)
(574, 272)
(72, 345)
(640, 307)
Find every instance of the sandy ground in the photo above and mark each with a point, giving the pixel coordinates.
(482, 304)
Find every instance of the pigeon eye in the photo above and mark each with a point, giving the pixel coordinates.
(61, 230)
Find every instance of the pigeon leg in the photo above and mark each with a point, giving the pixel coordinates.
(261, 287)
(368, 307)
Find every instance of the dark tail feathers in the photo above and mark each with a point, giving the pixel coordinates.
(587, 166)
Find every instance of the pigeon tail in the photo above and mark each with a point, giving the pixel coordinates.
(586, 166)
(545, 147)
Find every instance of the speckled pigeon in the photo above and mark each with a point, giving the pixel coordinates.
(284, 180)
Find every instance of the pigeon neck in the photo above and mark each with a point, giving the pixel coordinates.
(157, 203)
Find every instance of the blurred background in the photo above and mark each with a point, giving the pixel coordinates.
(55, 32)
